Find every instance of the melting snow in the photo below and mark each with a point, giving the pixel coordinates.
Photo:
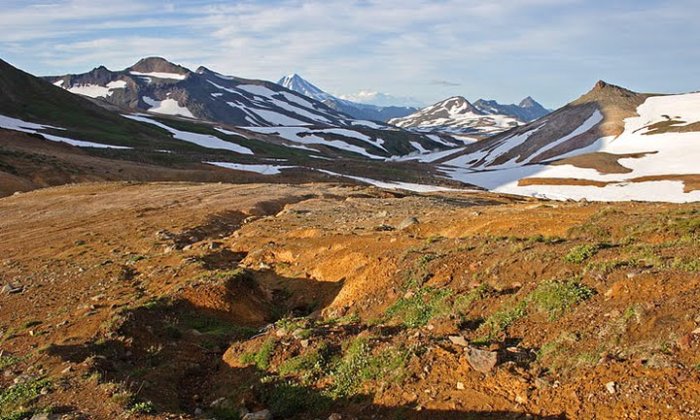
(260, 169)
(306, 136)
(167, 107)
(159, 75)
(96, 91)
(27, 127)
(204, 140)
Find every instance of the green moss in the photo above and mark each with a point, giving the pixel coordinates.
(554, 297)
(581, 253)
(497, 322)
(463, 302)
(262, 357)
(420, 306)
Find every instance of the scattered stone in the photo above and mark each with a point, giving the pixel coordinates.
(335, 416)
(384, 228)
(67, 370)
(12, 289)
(258, 415)
(41, 416)
(460, 386)
(305, 343)
(483, 361)
(408, 222)
(611, 387)
(458, 340)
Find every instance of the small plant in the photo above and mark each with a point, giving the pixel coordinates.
(555, 298)
(581, 253)
(261, 358)
(143, 407)
(285, 399)
(346, 378)
(497, 322)
(463, 302)
(7, 361)
(418, 307)
(308, 367)
(14, 399)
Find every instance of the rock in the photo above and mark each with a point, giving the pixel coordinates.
(198, 411)
(12, 289)
(258, 415)
(458, 340)
(41, 416)
(481, 360)
(611, 387)
(460, 386)
(304, 343)
(215, 245)
(408, 222)
(384, 228)
(685, 342)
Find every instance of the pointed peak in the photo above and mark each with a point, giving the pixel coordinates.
(528, 102)
(604, 92)
(157, 64)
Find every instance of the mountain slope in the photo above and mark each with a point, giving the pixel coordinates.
(456, 115)
(609, 144)
(354, 109)
(527, 110)
(158, 86)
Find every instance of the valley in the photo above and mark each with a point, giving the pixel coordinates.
(178, 241)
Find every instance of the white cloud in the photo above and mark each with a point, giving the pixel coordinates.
(505, 49)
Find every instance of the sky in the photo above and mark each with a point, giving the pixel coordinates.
(416, 51)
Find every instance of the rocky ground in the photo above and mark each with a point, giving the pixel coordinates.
(173, 300)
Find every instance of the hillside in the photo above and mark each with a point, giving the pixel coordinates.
(49, 136)
(190, 300)
(610, 144)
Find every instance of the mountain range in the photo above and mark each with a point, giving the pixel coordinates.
(354, 109)
(458, 116)
(160, 121)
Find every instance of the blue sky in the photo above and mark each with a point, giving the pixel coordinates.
(554, 50)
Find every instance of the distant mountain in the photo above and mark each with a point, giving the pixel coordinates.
(609, 144)
(456, 115)
(381, 99)
(527, 110)
(354, 109)
(160, 87)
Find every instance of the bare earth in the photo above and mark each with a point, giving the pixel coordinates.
(185, 300)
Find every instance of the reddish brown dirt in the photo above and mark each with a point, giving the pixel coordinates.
(151, 292)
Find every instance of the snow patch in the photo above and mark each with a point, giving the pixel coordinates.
(167, 107)
(203, 140)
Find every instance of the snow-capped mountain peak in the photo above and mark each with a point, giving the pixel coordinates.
(299, 84)
(357, 110)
